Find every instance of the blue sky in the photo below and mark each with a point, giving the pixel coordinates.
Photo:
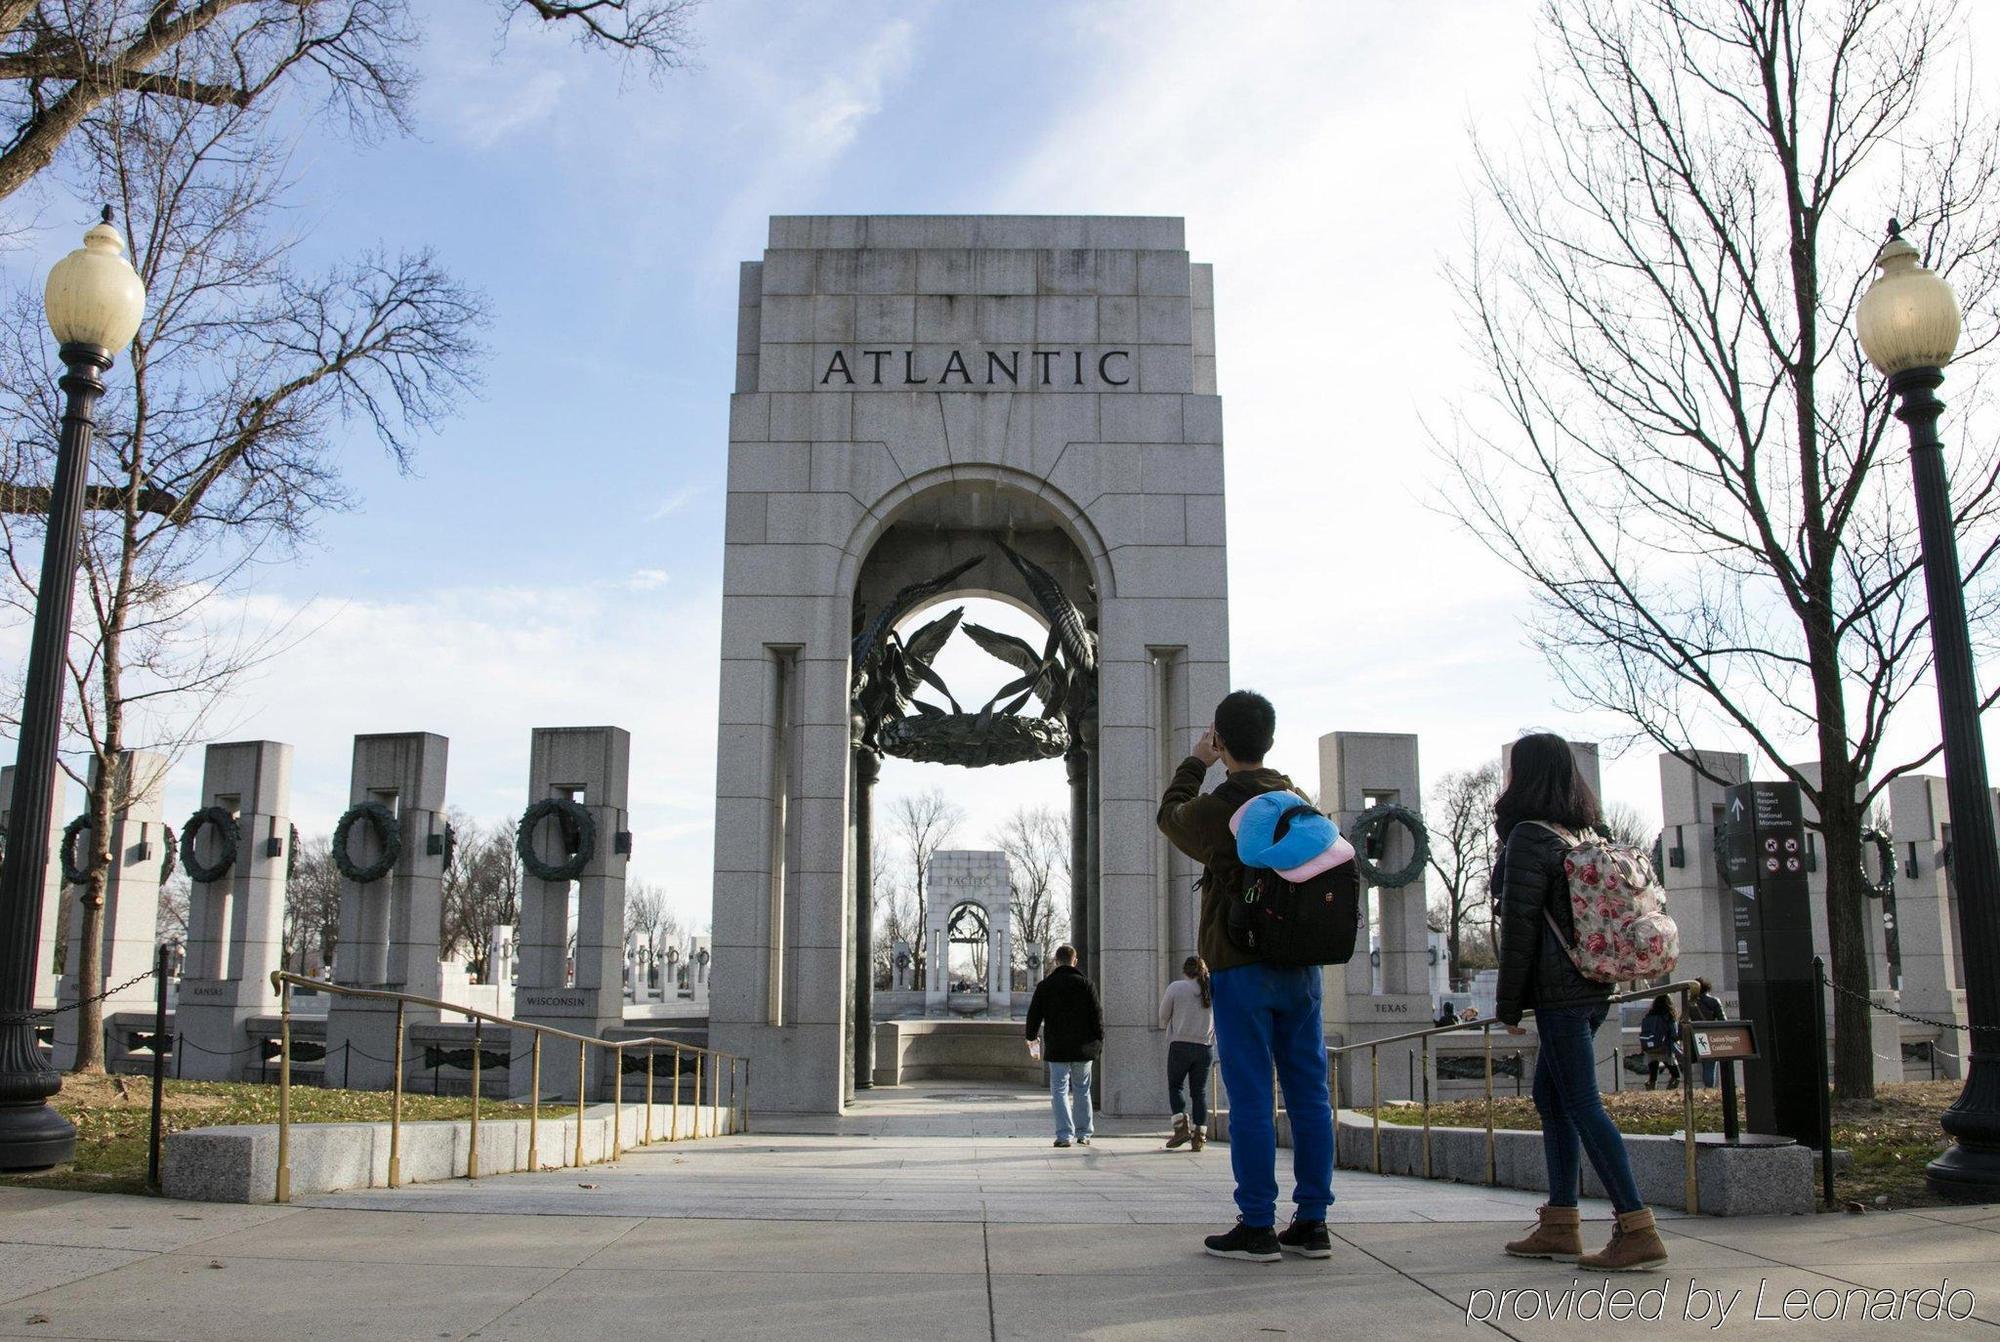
(556, 558)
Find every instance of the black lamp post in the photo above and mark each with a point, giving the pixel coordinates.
(1908, 323)
(95, 300)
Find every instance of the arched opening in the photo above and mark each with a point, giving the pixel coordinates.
(975, 611)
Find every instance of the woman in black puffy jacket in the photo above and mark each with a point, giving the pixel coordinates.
(1545, 806)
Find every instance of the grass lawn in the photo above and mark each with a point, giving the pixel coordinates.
(113, 1114)
(1891, 1137)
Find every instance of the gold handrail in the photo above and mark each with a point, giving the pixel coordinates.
(1685, 988)
(283, 981)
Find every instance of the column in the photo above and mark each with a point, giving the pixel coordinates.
(236, 919)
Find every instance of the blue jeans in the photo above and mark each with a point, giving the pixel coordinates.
(1573, 1119)
(1268, 1017)
(1069, 1096)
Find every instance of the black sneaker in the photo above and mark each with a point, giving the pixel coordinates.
(1062, 1141)
(1252, 1244)
(1307, 1239)
(1083, 1141)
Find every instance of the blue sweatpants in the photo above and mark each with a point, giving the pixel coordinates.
(1267, 1017)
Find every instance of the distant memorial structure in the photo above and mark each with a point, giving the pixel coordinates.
(969, 901)
(393, 845)
(577, 831)
(930, 408)
(236, 851)
(131, 896)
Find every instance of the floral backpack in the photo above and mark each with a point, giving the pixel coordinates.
(1623, 931)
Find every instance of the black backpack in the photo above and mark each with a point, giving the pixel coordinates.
(1311, 923)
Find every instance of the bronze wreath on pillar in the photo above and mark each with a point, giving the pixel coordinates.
(226, 830)
(387, 833)
(579, 834)
(74, 872)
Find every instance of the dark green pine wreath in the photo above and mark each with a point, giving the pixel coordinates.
(387, 833)
(579, 833)
(73, 871)
(1380, 818)
(1885, 851)
(226, 829)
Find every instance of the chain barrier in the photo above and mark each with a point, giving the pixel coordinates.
(50, 1013)
(1912, 1017)
(185, 1042)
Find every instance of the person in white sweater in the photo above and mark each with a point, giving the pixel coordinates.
(1184, 1012)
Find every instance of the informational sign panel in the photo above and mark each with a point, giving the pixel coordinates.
(1764, 862)
(1722, 1040)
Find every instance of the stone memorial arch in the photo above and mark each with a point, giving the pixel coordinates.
(930, 408)
(970, 896)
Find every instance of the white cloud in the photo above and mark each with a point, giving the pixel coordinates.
(648, 579)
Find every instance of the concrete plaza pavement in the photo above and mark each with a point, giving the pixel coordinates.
(932, 1212)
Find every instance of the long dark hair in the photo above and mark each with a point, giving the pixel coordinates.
(1662, 1006)
(1196, 968)
(1543, 784)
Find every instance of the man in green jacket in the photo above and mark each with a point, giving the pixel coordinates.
(1266, 1016)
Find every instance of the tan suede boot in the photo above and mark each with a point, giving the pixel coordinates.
(1558, 1235)
(1199, 1138)
(1635, 1247)
(1181, 1133)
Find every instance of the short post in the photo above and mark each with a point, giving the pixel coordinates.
(1424, 1043)
(649, 1098)
(1692, 1184)
(699, 1098)
(582, 1064)
(472, 1138)
(617, 1098)
(1617, 1069)
(535, 1102)
(674, 1124)
(396, 1107)
(746, 1094)
(1825, 1095)
(284, 1191)
(1730, 1126)
(1375, 1099)
(1492, 1166)
(162, 963)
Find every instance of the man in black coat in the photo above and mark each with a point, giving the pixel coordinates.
(1065, 1014)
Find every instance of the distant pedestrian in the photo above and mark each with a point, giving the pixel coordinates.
(1705, 1005)
(1185, 1012)
(1657, 1034)
(1066, 1016)
(1545, 800)
(1266, 1016)
(1447, 1015)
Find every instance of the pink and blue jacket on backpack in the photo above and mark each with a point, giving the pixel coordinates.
(1311, 844)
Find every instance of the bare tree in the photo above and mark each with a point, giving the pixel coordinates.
(1460, 819)
(65, 63)
(482, 890)
(1036, 842)
(1623, 824)
(171, 923)
(218, 448)
(647, 911)
(312, 906)
(925, 822)
(1684, 452)
(898, 917)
